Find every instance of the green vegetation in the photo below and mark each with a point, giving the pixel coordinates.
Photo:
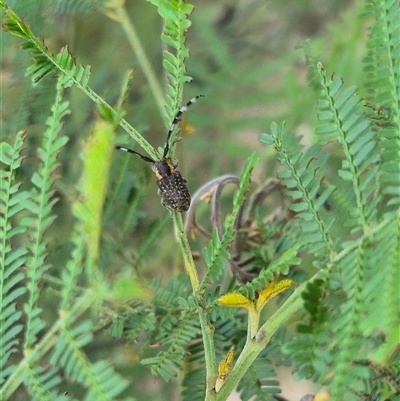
(106, 295)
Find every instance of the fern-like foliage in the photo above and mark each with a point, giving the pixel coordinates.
(104, 384)
(216, 250)
(339, 240)
(172, 321)
(44, 384)
(259, 383)
(343, 318)
(340, 308)
(368, 150)
(303, 182)
(176, 24)
(41, 204)
(341, 117)
(37, 210)
(382, 61)
(45, 63)
(13, 200)
(175, 334)
(383, 69)
(194, 385)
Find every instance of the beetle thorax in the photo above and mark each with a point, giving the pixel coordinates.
(163, 168)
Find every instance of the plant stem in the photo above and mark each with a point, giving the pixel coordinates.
(255, 345)
(185, 248)
(207, 329)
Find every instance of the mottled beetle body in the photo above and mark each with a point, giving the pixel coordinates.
(171, 185)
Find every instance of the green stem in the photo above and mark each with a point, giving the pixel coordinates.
(207, 329)
(253, 347)
(185, 248)
(253, 322)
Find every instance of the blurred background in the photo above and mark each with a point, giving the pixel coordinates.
(248, 57)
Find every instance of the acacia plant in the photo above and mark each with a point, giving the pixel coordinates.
(322, 236)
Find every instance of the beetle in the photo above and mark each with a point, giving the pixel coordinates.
(171, 185)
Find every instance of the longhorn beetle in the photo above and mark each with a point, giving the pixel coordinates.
(171, 185)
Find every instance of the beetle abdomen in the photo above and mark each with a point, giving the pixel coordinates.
(174, 193)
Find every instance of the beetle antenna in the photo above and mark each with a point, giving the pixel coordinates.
(145, 158)
(175, 121)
